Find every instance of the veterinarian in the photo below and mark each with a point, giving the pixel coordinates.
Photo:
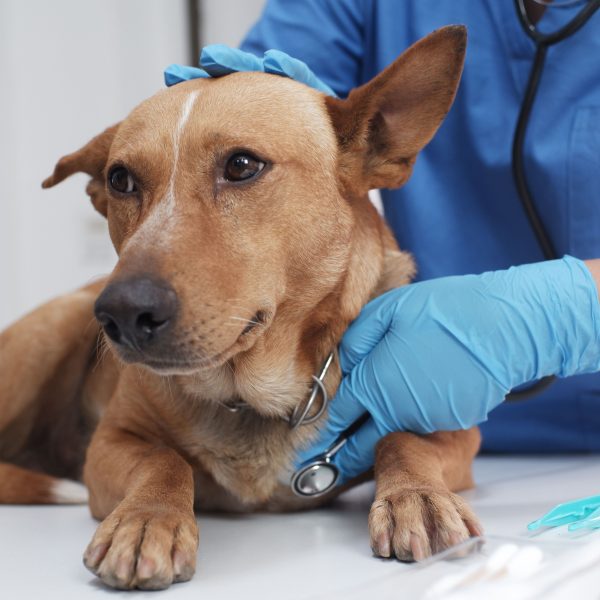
(444, 351)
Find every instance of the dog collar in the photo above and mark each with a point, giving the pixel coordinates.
(301, 413)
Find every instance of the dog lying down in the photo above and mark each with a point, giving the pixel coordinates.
(247, 244)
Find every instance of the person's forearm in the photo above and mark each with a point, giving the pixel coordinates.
(594, 267)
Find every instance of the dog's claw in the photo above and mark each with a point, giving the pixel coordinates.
(93, 556)
(382, 545)
(183, 566)
(123, 569)
(417, 547)
(474, 527)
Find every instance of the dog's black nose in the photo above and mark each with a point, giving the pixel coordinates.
(134, 312)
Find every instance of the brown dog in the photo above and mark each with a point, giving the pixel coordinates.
(247, 244)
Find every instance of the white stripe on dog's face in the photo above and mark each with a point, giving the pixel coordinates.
(168, 202)
(162, 216)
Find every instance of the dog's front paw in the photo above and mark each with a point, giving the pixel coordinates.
(145, 549)
(412, 524)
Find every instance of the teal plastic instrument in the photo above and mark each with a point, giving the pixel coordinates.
(578, 514)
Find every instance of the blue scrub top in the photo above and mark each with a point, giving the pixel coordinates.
(460, 212)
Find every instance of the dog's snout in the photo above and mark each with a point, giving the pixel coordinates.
(135, 312)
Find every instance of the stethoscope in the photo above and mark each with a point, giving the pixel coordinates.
(542, 42)
(320, 475)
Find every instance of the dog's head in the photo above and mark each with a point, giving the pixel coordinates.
(231, 199)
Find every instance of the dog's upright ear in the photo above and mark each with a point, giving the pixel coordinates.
(383, 124)
(90, 159)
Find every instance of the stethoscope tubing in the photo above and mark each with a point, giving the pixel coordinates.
(548, 39)
(542, 42)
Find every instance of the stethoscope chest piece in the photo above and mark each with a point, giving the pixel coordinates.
(315, 479)
(320, 475)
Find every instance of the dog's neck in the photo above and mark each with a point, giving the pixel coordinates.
(275, 375)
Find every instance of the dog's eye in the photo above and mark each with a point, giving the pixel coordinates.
(121, 180)
(242, 166)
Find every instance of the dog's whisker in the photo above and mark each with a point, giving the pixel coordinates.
(102, 349)
(228, 363)
(90, 323)
(170, 390)
(249, 321)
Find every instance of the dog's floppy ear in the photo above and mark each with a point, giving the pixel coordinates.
(383, 124)
(90, 159)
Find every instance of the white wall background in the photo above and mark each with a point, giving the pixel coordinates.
(227, 21)
(68, 69)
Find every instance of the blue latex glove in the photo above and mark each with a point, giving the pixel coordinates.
(441, 354)
(218, 60)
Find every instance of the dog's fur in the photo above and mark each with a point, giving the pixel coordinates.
(301, 246)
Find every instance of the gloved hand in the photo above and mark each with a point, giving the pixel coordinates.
(441, 354)
(218, 60)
